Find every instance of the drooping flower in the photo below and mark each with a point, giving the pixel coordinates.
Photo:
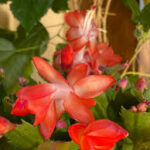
(5, 126)
(48, 101)
(83, 31)
(141, 84)
(98, 135)
(104, 55)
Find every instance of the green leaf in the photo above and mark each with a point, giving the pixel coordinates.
(24, 137)
(100, 110)
(50, 145)
(144, 18)
(29, 12)
(6, 49)
(147, 94)
(138, 126)
(125, 99)
(4, 1)
(19, 62)
(133, 5)
(60, 5)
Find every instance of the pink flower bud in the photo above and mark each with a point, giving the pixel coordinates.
(61, 124)
(141, 84)
(122, 84)
(22, 81)
(5, 126)
(141, 107)
(134, 109)
(2, 71)
(147, 102)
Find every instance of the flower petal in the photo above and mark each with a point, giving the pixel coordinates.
(73, 34)
(47, 71)
(74, 19)
(47, 126)
(67, 57)
(39, 107)
(76, 109)
(106, 129)
(93, 85)
(76, 131)
(35, 91)
(78, 72)
(5, 125)
(19, 108)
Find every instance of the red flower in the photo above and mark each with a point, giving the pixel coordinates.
(83, 31)
(98, 135)
(104, 55)
(48, 101)
(6, 126)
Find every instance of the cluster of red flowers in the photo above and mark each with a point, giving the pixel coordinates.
(82, 58)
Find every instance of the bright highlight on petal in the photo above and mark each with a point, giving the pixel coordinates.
(93, 85)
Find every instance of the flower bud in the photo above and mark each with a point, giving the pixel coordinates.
(22, 81)
(122, 84)
(141, 84)
(134, 109)
(141, 107)
(61, 124)
(1, 73)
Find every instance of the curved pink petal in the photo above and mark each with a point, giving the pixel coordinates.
(35, 91)
(47, 71)
(73, 34)
(76, 131)
(79, 43)
(47, 126)
(76, 109)
(19, 108)
(93, 85)
(74, 19)
(78, 72)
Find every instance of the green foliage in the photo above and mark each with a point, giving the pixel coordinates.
(133, 5)
(144, 18)
(125, 99)
(100, 110)
(58, 145)
(29, 12)
(24, 137)
(4, 1)
(137, 15)
(138, 126)
(60, 5)
(147, 93)
(15, 57)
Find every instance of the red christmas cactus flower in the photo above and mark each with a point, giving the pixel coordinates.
(104, 55)
(5, 126)
(98, 135)
(83, 31)
(48, 101)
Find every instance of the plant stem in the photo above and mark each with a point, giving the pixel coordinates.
(137, 51)
(138, 73)
(105, 20)
(26, 49)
